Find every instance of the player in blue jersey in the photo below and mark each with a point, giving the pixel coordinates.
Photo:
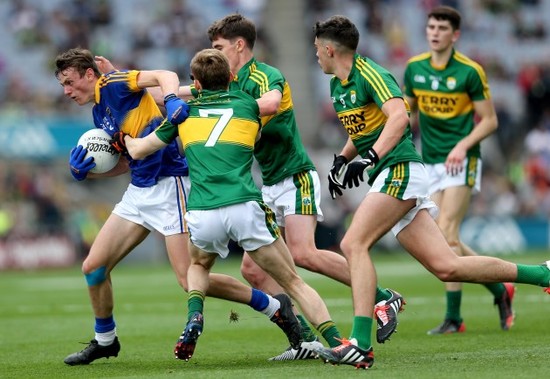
(154, 200)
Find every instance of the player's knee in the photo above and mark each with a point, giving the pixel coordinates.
(252, 274)
(306, 259)
(350, 247)
(94, 276)
(445, 273)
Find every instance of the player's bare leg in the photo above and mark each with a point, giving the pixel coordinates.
(276, 260)
(221, 286)
(453, 203)
(300, 239)
(114, 241)
(366, 228)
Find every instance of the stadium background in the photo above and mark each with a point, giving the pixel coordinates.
(48, 219)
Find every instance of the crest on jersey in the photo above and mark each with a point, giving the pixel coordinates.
(353, 97)
(451, 82)
(396, 182)
(435, 84)
(306, 200)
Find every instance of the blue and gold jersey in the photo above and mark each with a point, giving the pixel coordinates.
(358, 102)
(218, 138)
(120, 105)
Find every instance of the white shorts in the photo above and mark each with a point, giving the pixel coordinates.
(251, 224)
(297, 194)
(469, 176)
(406, 181)
(160, 207)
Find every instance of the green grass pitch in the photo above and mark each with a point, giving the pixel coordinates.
(44, 315)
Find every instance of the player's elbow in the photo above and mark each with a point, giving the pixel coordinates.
(494, 123)
(269, 108)
(137, 153)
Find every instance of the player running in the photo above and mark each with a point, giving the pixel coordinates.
(369, 102)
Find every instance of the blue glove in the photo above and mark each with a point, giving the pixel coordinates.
(177, 110)
(355, 170)
(79, 165)
(334, 185)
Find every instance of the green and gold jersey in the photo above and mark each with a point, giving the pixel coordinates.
(358, 101)
(218, 138)
(279, 151)
(445, 97)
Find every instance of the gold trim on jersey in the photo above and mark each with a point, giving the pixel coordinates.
(120, 76)
(259, 78)
(285, 105)
(374, 79)
(443, 105)
(476, 66)
(362, 121)
(139, 117)
(239, 131)
(420, 57)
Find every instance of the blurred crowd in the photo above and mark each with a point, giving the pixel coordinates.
(511, 41)
(508, 37)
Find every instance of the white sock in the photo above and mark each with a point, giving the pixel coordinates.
(272, 307)
(105, 339)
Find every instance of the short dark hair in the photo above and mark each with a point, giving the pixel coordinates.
(211, 68)
(79, 59)
(233, 26)
(338, 29)
(446, 13)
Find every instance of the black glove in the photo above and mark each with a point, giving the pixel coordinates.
(334, 185)
(355, 170)
(118, 143)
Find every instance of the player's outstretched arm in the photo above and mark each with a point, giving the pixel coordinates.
(269, 102)
(139, 148)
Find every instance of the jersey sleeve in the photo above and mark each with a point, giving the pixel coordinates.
(381, 86)
(407, 84)
(268, 79)
(478, 87)
(166, 132)
(119, 86)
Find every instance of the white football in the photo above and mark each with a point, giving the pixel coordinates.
(96, 141)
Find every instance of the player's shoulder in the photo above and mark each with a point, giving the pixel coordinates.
(466, 61)
(262, 68)
(423, 57)
(118, 80)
